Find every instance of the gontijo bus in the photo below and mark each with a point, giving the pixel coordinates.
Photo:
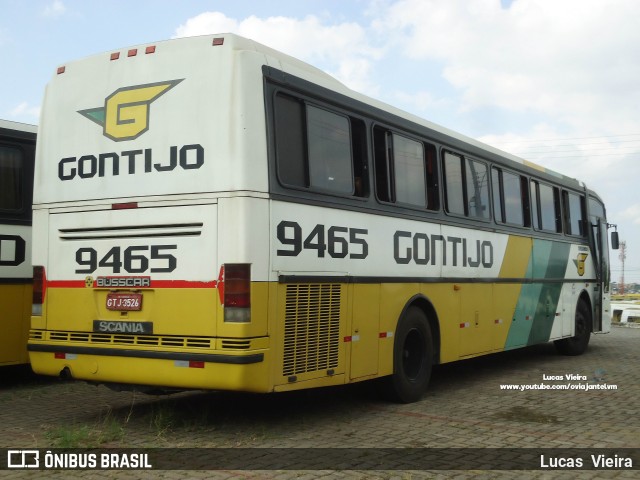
(17, 153)
(213, 214)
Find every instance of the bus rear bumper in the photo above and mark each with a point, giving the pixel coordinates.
(246, 371)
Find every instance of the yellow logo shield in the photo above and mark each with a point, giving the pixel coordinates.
(125, 115)
(579, 261)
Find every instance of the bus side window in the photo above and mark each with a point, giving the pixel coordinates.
(546, 207)
(477, 179)
(558, 208)
(382, 161)
(466, 185)
(433, 196)
(405, 170)
(453, 186)
(526, 202)
(10, 178)
(409, 171)
(509, 198)
(498, 195)
(319, 149)
(329, 151)
(360, 160)
(535, 206)
(290, 141)
(573, 213)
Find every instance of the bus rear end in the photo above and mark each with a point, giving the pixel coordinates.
(17, 150)
(145, 274)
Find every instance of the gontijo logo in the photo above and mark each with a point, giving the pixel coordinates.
(125, 115)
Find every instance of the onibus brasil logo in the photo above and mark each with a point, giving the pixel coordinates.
(125, 114)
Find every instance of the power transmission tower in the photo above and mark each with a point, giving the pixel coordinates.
(622, 256)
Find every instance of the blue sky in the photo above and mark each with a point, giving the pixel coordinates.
(557, 83)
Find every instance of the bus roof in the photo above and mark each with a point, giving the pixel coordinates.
(21, 127)
(299, 68)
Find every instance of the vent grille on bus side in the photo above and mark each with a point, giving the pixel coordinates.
(135, 231)
(235, 344)
(312, 328)
(36, 334)
(120, 339)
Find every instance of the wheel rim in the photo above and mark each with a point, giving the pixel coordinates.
(413, 354)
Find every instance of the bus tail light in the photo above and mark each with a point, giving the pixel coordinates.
(39, 290)
(237, 292)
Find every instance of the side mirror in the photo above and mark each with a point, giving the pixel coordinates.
(615, 243)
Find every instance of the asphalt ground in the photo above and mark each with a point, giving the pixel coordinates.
(465, 412)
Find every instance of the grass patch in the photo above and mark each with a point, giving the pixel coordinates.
(162, 418)
(107, 430)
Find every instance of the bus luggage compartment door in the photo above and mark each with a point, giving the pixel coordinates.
(163, 258)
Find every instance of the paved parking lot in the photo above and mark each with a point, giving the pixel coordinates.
(464, 408)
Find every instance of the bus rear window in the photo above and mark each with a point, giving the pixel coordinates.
(10, 178)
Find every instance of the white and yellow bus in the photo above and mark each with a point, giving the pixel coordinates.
(213, 214)
(17, 153)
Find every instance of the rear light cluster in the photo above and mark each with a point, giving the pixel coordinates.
(124, 206)
(234, 284)
(132, 52)
(39, 290)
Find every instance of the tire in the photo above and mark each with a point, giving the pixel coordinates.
(577, 344)
(412, 358)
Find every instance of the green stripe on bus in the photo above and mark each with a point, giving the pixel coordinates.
(522, 320)
(550, 293)
(538, 302)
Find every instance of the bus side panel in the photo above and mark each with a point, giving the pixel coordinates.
(446, 302)
(530, 296)
(365, 330)
(556, 255)
(507, 296)
(580, 274)
(173, 262)
(15, 293)
(14, 322)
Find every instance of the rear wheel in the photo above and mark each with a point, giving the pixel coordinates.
(577, 344)
(412, 358)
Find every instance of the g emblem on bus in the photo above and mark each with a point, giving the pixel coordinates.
(579, 261)
(125, 115)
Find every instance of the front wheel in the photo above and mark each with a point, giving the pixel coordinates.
(412, 358)
(577, 344)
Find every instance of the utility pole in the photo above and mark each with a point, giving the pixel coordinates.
(622, 256)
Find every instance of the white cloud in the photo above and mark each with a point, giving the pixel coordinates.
(207, 23)
(631, 214)
(24, 110)
(566, 59)
(342, 49)
(54, 9)
(421, 101)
